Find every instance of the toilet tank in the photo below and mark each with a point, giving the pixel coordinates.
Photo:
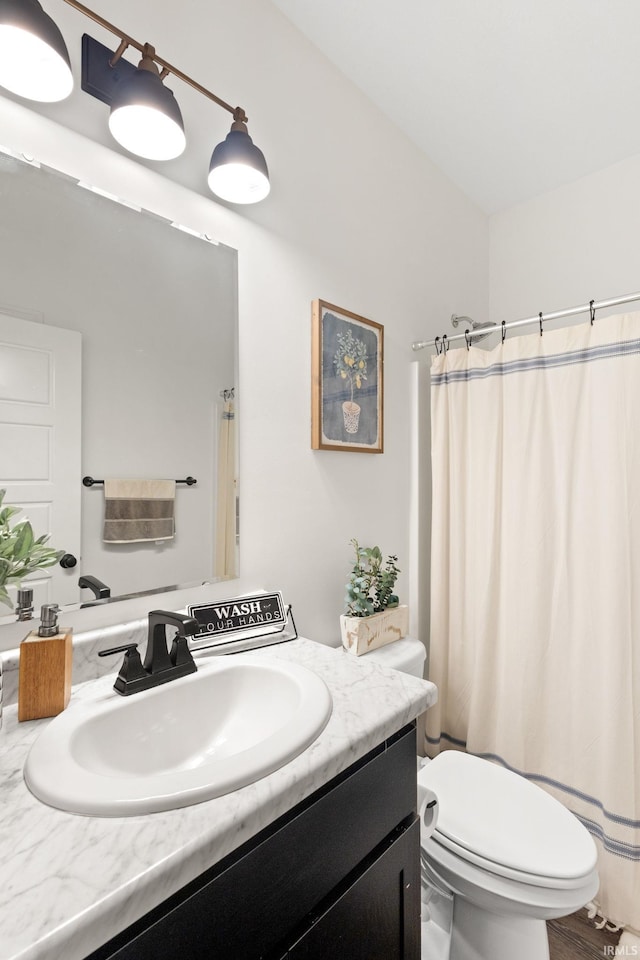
(407, 655)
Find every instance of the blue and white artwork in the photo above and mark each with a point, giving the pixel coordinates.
(350, 380)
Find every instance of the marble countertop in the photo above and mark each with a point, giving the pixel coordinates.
(69, 883)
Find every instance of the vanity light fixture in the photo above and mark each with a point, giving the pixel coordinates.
(144, 117)
(34, 60)
(238, 171)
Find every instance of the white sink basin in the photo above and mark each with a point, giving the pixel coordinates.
(236, 720)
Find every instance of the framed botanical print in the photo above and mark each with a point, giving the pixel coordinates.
(346, 380)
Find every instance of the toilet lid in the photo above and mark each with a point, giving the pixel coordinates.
(501, 817)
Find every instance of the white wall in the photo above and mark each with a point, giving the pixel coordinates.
(357, 216)
(567, 247)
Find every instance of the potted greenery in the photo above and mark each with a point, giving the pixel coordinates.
(350, 361)
(373, 614)
(20, 552)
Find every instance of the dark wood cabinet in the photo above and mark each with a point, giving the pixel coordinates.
(336, 877)
(374, 919)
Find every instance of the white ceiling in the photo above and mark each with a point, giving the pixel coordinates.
(511, 98)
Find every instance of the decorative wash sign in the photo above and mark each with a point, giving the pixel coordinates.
(239, 618)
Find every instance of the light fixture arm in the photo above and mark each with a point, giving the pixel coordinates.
(167, 68)
(119, 52)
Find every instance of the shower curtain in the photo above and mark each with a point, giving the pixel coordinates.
(225, 559)
(535, 625)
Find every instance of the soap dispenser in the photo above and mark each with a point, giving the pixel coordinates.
(44, 678)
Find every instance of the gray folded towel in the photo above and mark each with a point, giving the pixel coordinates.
(136, 511)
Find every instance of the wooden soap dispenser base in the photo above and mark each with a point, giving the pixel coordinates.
(44, 678)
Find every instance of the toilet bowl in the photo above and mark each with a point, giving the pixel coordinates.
(511, 856)
(504, 857)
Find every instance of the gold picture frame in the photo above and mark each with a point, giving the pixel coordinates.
(347, 362)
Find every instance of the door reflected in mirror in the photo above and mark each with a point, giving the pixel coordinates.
(118, 356)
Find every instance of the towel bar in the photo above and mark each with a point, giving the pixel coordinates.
(90, 482)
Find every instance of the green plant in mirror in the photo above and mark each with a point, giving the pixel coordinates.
(369, 588)
(20, 552)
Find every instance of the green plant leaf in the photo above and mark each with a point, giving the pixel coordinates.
(25, 540)
(370, 586)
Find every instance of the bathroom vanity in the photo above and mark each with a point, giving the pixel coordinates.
(318, 859)
(338, 876)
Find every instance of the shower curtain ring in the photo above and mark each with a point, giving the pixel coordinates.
(445, 343)
(504, 331)
(592, 311)
(437, 346)
(467, 338)
(540, 316)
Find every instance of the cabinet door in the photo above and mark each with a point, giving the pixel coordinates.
(377, 917)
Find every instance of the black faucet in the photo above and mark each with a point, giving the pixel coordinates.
(160, 665)
(101, 590)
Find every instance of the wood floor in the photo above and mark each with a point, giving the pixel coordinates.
(576, 938)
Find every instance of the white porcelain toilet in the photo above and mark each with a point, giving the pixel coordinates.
(504, 857)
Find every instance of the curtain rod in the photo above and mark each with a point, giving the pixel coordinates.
(539, 318)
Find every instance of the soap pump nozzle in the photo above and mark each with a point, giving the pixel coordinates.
(48, 620)
(24, 606)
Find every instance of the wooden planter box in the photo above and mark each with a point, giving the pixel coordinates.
(362, 634)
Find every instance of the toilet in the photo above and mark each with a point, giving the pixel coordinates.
(504, 856)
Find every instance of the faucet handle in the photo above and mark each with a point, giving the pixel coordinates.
(131, 668)
(180, 653)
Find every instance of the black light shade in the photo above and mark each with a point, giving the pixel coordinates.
(145, 118)
(238, 170)
(34, 61)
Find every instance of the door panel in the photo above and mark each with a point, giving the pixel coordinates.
(40, 384)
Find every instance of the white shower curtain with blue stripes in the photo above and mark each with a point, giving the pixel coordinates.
(535, 626)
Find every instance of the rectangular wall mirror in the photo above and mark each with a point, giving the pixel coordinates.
(118, 359)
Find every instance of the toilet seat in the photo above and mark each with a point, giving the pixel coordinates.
(504, 824)
(501, 870)
(496, 892)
